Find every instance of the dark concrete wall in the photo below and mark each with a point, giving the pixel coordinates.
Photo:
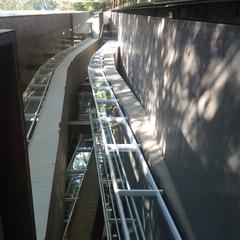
(82, 221)
(77, 74)
(187, 77)
(16, 205)
(217, 11)
(38, 38)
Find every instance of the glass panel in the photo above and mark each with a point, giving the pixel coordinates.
(100, 83)
(31, 106)
(108, 110)
(120, 133)
(68, 206)
(40, 79)
(83, 114)
(35, 91)
(103, 95)
(87, 141)
(151, 217)
(74, 186)
(136, 176)
(81, 160)
(28, 125)
(98, 74)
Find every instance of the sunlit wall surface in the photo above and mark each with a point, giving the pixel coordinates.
(186, 75)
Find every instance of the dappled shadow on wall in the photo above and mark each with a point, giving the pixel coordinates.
(187, 77)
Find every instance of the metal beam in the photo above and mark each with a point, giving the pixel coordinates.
(113, 119)
(106, 101)
(37, 85)
(102, 88)
(121, 147)
(78, 123)
(33, 98)
(140, 192)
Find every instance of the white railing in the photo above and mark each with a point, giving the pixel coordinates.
(116, 149)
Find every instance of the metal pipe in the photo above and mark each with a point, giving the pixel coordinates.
(101, 182)
(128, 187)
(113, 177)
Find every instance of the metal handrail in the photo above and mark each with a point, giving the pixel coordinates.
(102, 166)
(96, 68)
(48, 68)
(124, 177)
(101, 32)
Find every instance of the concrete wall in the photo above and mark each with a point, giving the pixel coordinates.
(76, 73)
(187, 77)
(78, 65)
(49, 143)
(39, 37)
(16, 205)
(79, 22)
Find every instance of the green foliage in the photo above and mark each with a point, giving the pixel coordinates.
(11, 5)
(40, 5)
(28, 5)
(65, 6)
(89, 6)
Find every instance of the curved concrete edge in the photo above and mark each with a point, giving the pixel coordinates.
(43, 147)
(144, 132)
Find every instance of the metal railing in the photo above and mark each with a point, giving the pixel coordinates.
(34, 95)
(74, 177)
(116, 152)
(109, 210)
